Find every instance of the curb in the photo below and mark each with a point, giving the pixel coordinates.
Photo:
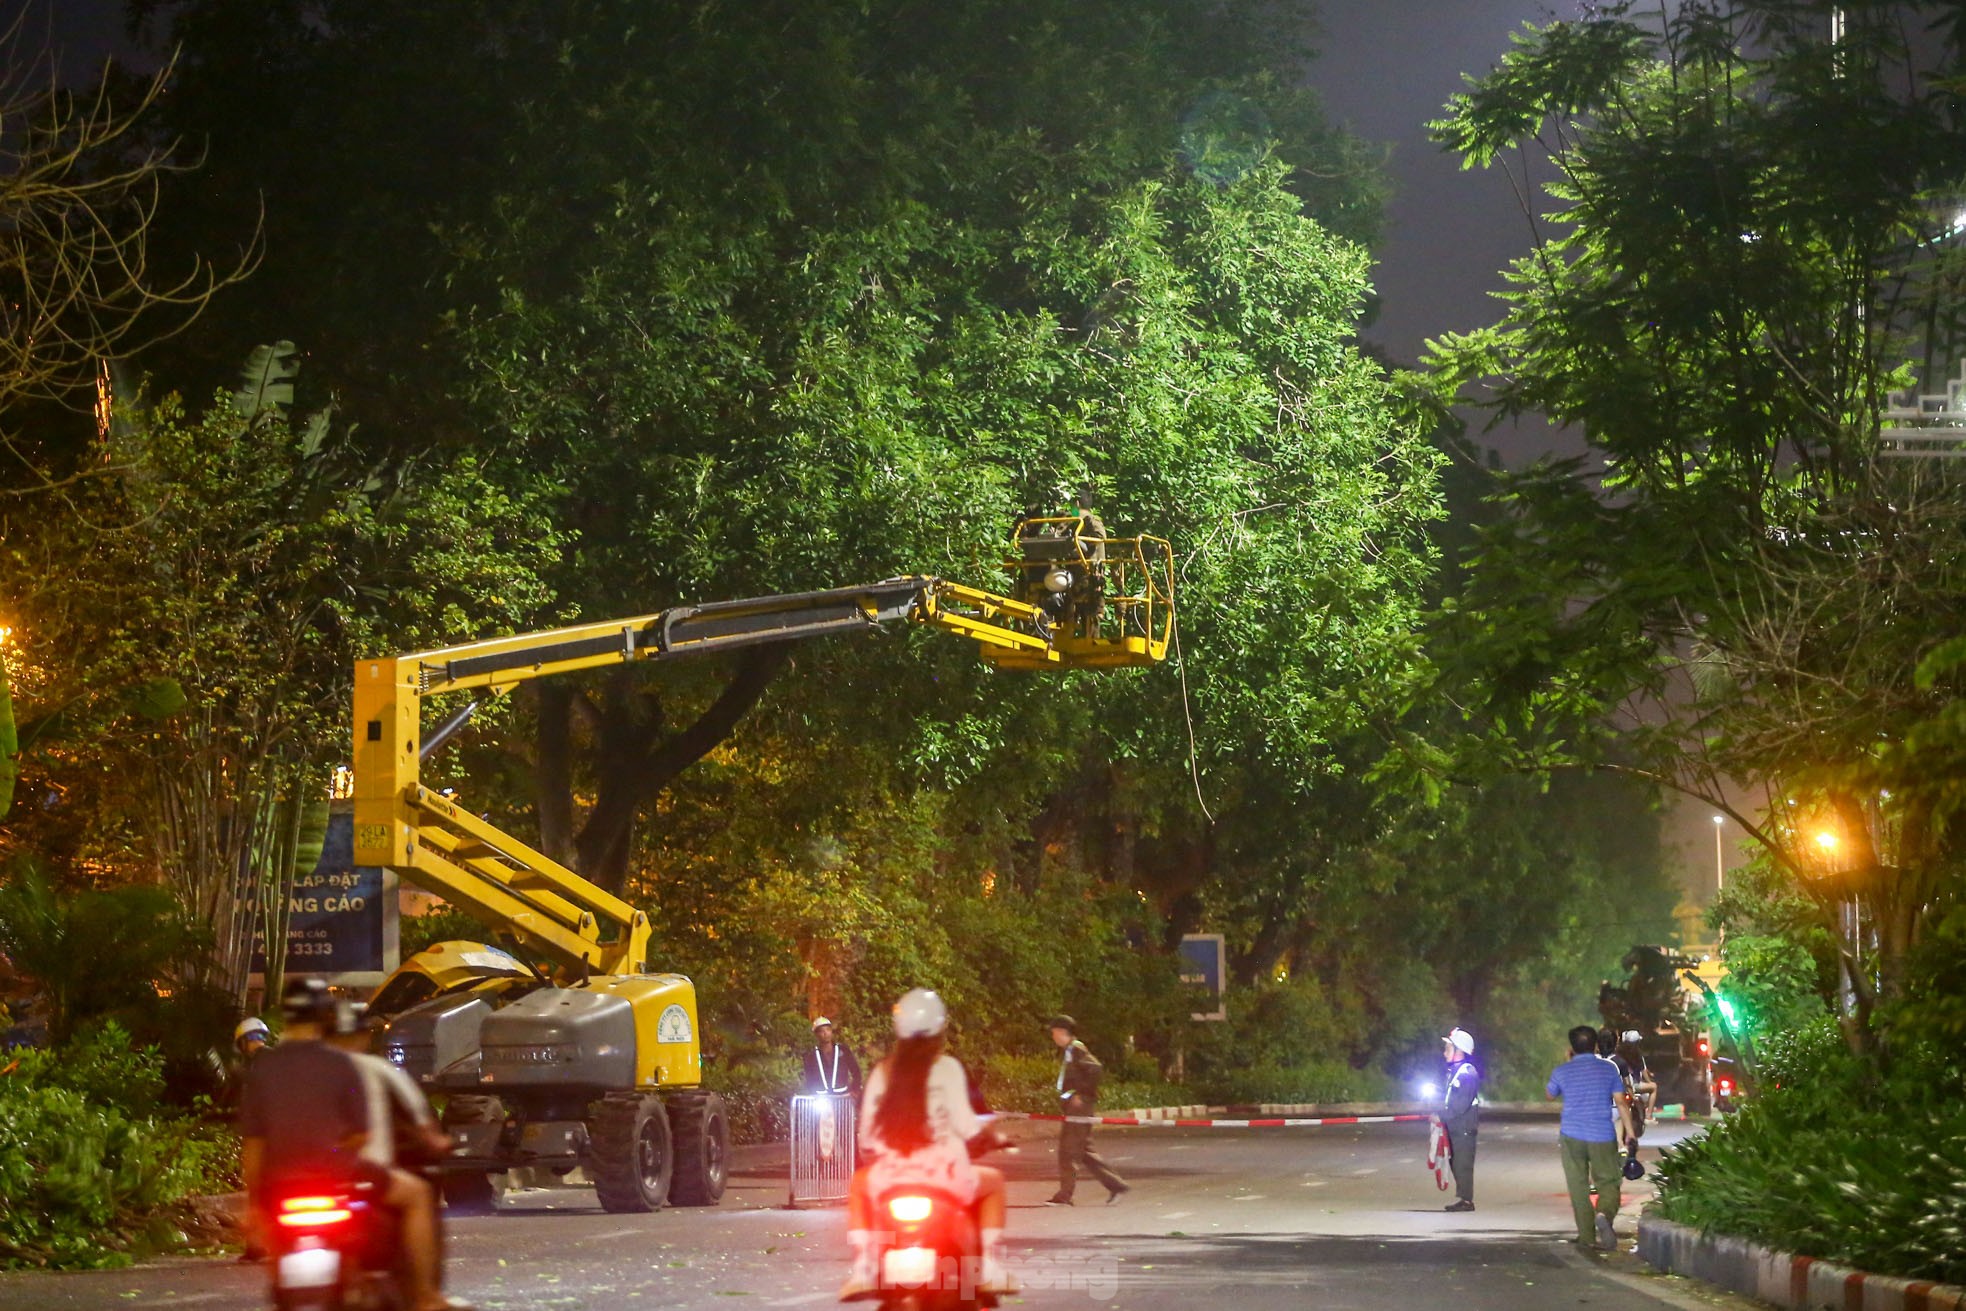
(1216, 1121)
(1783, 1278)
(1269, 1110)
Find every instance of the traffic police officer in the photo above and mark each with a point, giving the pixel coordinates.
(1460, 1114)
(829, 1066)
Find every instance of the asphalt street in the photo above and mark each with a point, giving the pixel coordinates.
(1250, 1219)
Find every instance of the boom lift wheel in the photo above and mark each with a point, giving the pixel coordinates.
(701, 1132)
(630, 1155)
(470, 1192)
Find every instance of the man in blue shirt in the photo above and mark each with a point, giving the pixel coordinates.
(1595, 1117)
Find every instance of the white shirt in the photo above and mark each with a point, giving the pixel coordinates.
(951, 1119)
(385, 1084)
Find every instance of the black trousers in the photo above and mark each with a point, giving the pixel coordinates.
(1074, 1151)
(1461, 1156)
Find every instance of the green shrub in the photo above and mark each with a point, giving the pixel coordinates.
(89, 1164)
(1028, 1082)
(1835, 1162)
(757, 1096)
(1326, 1082)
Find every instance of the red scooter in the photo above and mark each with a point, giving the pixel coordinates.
(930, 1253)
(335, 1249)
(929, 1249)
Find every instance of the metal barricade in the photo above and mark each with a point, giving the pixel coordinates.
(822, 1147)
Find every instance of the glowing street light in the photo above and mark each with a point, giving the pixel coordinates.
(1719, 860)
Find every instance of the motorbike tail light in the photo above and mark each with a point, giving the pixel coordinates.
(909, 1209)
(313, 1212)
(1726, 1087)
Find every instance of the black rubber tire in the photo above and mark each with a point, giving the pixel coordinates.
(629, 1152)
(700, 1129)
(469, 1192)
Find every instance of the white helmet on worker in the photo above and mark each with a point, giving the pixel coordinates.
(250, 1027)
(1462, 1040)
(920, 1014)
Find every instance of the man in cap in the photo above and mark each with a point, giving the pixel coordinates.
(829, 1066)
(1079, 1072)
(1459, 1114)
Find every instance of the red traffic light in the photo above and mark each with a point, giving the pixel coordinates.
(1705, 1048)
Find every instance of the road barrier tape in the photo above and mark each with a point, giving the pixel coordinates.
(1278, 1122)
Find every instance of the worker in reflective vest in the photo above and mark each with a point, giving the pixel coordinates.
(829, 1066)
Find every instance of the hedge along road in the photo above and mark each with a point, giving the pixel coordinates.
(1275, 1219)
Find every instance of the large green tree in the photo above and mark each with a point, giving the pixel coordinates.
(1731, 282)
(234, 562)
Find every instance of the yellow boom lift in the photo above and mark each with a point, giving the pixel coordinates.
(566, 1050)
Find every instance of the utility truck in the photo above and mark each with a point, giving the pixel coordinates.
(561, 1044)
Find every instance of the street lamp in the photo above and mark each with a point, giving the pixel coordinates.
(1719, 861)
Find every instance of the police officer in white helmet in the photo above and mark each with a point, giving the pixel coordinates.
(1460, 1113)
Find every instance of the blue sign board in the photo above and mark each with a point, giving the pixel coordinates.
(1204, 964)
(341, 917)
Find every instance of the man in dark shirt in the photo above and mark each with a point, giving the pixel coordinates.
(304, 1120)
(1079, 1073)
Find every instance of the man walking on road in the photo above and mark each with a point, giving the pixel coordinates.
(1078, 1093)
(1459, 1114)
(1594, 1119)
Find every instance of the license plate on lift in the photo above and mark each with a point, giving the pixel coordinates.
(312, 1267)
(908, 1266)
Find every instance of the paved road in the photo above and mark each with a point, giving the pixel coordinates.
(1253, 1220)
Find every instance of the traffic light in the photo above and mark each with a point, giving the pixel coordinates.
(1727, 1011)
(1705, 1048)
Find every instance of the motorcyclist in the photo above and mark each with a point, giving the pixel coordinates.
(304, 1120)
(1638, 1076)
(251, 1037)
(403, 1129)
(916, 1126)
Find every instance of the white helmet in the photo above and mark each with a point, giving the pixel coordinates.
(920, 1014)
(249, 1027)
(1460, 1039)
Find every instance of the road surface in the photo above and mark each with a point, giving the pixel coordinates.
(1244, 1219)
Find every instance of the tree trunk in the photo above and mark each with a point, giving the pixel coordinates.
(635, 759)
(553, 769)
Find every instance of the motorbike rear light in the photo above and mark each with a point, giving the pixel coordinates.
(910, 1209)
(1726, 1087)
(313, 1212)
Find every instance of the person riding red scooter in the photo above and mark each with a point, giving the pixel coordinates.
(918, 1130)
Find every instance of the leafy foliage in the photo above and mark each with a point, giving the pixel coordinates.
(1721, 302)
(1829, 1161)
(89, 1163)
(96, 955)
(240, 558)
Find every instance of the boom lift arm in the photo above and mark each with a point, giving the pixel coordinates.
(1088, 602)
